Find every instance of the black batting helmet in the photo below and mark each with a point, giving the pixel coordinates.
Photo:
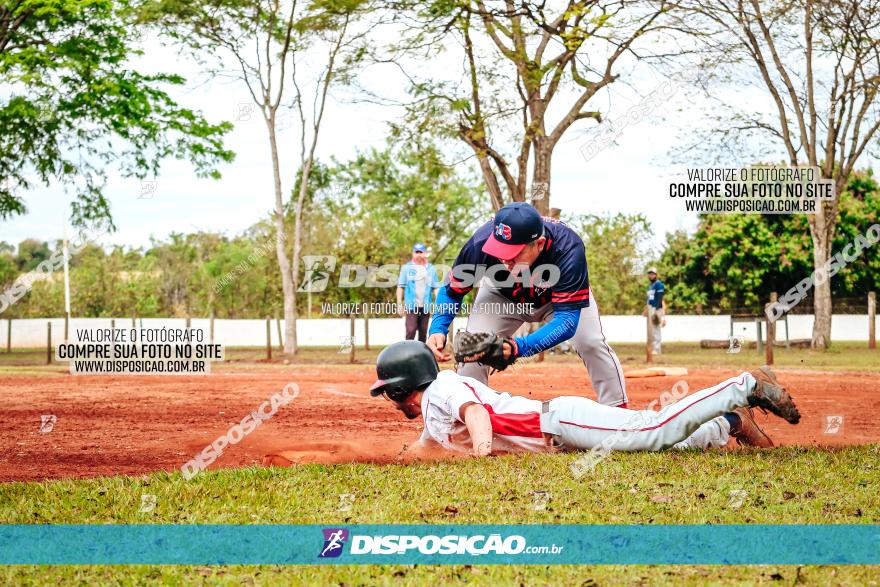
(403, 367)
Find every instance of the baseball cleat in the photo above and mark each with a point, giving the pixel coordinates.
(749, 433)
(771, 396)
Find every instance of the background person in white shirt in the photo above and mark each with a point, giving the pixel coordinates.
(464, 415)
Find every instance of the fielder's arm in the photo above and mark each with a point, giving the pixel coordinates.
(562, 327)
(446, 308)
(479, 426)
(448, 305)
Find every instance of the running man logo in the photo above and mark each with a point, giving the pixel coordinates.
(334, 541)
(47, 423)
(833, 424)
(317, 272)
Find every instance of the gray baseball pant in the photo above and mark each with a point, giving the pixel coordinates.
(588, 341)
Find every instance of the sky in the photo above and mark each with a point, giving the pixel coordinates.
(630, 176)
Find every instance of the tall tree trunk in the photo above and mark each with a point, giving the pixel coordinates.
(822, 232)
(821, 299)
(541, 176)
(287, 284)
(822, 309)
(491, 180)
(297, 235)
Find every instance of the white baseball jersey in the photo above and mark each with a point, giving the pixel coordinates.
(516, 421)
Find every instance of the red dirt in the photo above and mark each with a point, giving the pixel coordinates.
(135, 425)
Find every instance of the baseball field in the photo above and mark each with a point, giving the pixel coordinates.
(355, 292)
(332, 456)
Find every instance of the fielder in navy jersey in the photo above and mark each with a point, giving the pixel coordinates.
(524, 259)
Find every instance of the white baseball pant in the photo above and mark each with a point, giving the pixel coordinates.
(694, 421)
(588, 341)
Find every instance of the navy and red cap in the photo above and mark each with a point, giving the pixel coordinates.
(515, 226)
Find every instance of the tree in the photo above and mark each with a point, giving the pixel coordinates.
(818, 62)
(735, 261)
(618, 249)
(741, 260)
(32, 252)
(269, 40)
(525, 69)
(8, 271)
(75, 108)
(682, 267)
(381, 202)
(346, 215)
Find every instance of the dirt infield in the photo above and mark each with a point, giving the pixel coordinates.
(136, 425)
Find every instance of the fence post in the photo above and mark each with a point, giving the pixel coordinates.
(211, 327)
(787, 339)
(9, 335)
(280, 336)
(771, 332)
(351, 340)
(649, 348)
(268, 338)
(366, 331)
(188, 322)
(872, 320)
(112, 323)
(759, 328)
(48, 343)
(66, 320)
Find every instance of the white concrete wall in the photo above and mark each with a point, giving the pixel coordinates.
(31, 333)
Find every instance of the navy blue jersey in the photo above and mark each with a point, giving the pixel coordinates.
(563, 249)
(655, 294)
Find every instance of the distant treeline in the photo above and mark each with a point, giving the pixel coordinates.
(371, 210)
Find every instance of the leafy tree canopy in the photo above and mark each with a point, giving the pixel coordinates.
(73, 108)
(735, 261)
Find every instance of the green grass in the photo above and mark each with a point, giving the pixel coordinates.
(842, 356)
(785, 485)
(479, 575)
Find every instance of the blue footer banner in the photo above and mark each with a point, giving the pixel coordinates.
(205, 544)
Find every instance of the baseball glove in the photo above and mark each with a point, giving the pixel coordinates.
(484, 348)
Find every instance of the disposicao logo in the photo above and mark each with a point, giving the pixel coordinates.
(472, 545)
(334, 541)
(478, 545)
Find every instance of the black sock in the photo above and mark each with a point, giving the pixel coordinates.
(734, 420)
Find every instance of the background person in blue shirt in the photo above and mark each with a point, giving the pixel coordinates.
(655, 308)
(416, 289)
